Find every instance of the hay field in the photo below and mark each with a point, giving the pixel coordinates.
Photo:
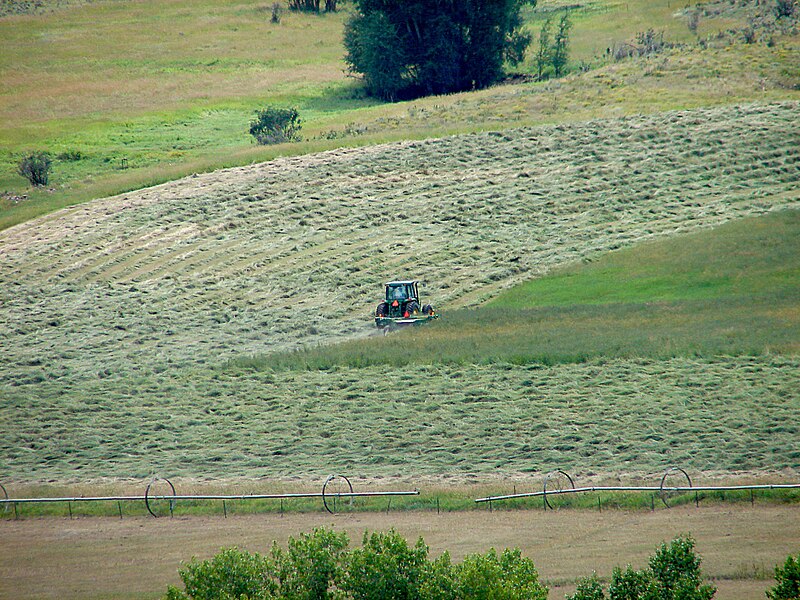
(116, 315)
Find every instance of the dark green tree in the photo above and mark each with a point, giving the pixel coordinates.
(408, 48)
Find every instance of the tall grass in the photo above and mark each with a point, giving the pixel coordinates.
(731, 291)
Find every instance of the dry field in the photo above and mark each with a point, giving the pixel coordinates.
(136, 558)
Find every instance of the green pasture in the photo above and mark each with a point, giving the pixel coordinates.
(731, 291)
(125, 96)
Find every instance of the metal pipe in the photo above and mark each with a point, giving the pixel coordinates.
(209, 497)
(700, 488)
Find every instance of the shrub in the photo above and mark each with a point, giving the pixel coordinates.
(588, 588)
(276, 125)
(510, 576)
(35, 167)
(231, 574)
(386, 568)
(277, 12)
(673, 573)
(676, 569)
(631, 584)
(312, 5)
(787, 578)
(311, 566)
(785, 8)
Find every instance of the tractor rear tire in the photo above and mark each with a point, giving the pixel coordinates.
(382, 310)
(412, 307)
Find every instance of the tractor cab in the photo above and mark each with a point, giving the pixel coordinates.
(402, 306)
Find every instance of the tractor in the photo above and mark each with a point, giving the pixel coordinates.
(402, 306)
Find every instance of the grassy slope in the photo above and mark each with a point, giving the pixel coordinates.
(118, 313)
(171, 89)
(732, 291)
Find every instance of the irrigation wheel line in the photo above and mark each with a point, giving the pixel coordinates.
(662, 493)
(147, 496)
(331, 499)
(662, 489)
(558, 476)
(336, 495)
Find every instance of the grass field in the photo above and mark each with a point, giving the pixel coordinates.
(119, 315)
(732, 291)
(614, 255)
(130, 97)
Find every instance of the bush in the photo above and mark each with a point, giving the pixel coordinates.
(35, 167)
(318, 566)
(385, 568)
(231, 574)
(311, 566)
(785, 8)
(276, 125)
(673, 573)
(676, 569)
(787, 578)
(277, 12)
(588, 588)
(510, 576)
(312, 5)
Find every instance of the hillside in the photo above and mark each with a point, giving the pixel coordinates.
(116, 314)
(126, 95)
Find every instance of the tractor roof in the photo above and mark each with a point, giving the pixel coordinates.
(402, 282)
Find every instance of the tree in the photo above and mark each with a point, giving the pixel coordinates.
(544, 55)
(386, 568)
(408, 48)
(561, 45)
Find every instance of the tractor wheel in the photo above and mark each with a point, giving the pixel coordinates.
(412, 307)
(427, 310)
(382, 309)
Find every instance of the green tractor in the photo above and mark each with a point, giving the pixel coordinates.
(402, 307)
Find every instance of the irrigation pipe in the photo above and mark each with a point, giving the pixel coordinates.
(660, 489)
(147, 498)
(208, 497)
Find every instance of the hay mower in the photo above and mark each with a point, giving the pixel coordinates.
(402, 307)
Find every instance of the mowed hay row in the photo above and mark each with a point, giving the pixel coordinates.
(294, 251)
(612, 416)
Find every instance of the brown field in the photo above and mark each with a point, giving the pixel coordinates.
(138, 557)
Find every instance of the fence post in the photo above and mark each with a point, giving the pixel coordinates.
(224, 509)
